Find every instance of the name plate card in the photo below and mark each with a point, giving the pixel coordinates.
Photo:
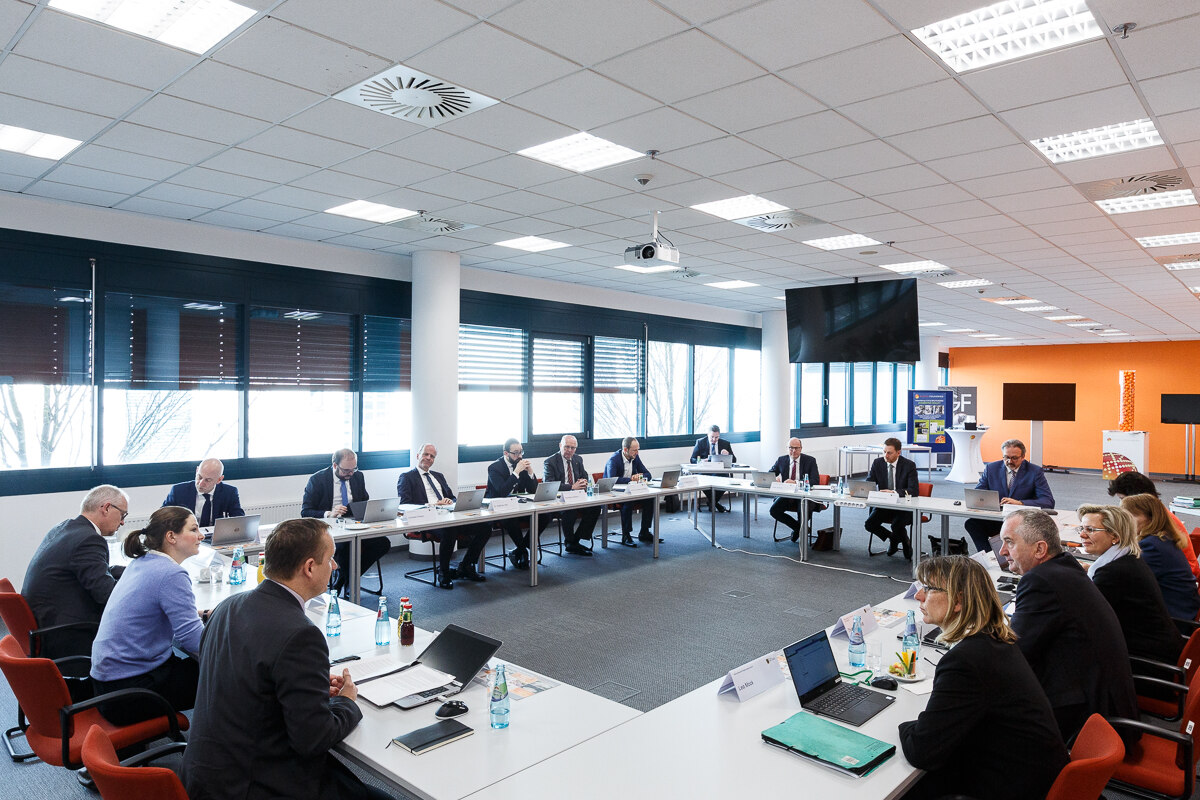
(636, 488)
(753, 678)
(688, 482)
(780, 486)
(573, 494)
(882, 497)
(417, 515)
(504, 503)
(869, 622)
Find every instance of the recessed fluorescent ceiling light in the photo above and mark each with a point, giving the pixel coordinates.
(749, 205)
(581, 152)
(194, 25)
(1147, 202)
(1182, 265)
(1017, 301)
(1087, 324)
(371, 212)
(532, 244)
(1112, 333)
(930, 324)
(841, 242)
(914, 266)
(648, 270)
(1061, 317)
(1166, 241)
(1037, 308)
(1194, 289)
(964, 284)
(731, 284)
(959, 330)
(1102, 141)
(1008, 30)
(35, 143)
(983, 336)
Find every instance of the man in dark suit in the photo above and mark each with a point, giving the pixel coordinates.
(626, 467)
(512, 472)
(1067, 630)
(207, 496)
(267, 709)
(329, 494)
(567, 468)
(69, 580)
(893, 472)
(1018, 481)
(793, 468)
(422, 486)
(709, 447)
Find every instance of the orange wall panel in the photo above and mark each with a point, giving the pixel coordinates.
(1162, 368)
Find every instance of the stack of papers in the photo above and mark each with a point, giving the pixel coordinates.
(1186, 502)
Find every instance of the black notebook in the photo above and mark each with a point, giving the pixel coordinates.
(431, 737)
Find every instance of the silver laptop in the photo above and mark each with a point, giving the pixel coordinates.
(670, 479)
(468, 500)
(724, 459)
(605, 485)
(861, 488)
(546, 490)
(383, 510)
(981, 499)
(763, 480)
(230, 531)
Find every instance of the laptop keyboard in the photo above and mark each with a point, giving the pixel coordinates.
(840, 698)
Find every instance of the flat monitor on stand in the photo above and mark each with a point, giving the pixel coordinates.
(1184, 409)
(1038, 403)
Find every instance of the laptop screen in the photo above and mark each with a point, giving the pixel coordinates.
(459, 652)
(812, 665)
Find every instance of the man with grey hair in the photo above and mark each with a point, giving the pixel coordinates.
(69, 580)
(1067, 630)
(1019, 482)
(208, 496)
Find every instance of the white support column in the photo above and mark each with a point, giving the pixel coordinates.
(776, 385)
(927, 368)
(436, 277)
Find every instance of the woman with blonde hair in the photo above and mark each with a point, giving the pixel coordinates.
(983, 690)
(1164, 550)
(1110, 534)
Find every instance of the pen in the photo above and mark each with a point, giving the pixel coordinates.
(344, 659)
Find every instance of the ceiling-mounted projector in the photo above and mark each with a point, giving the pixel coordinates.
(652, 254)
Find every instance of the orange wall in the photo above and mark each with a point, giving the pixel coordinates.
(1162, 368)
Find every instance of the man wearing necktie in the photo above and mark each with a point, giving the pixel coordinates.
(1019, 482)
(894, 473)
(566, 467)
(329, 494)
(793, 468)
(512, 472)
(207, 496)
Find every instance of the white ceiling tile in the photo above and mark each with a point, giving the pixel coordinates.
(444, 150)
(476, 214)
(97, 179)
(294, 231)
(584, 100)
(12, 15)
(857, 158)
(265, 210)
(461, 187)
(1085, 67)
(1181, 127)
(189, 196)
(956, 138)
(855, 209)
(810, 134)
(216, 181)
(1045, 198)
(1162, 49)
(928, 196)
(720, 155)
(1166, 95)
(661, 174)
(344, 122)
(753, 104)
(304, 148)
(598, 31)
(203, 122)
(374, 24)
(503, 127)
(764, 178)
(241, 91)
(139, 166)
(1076, 210)
(1013, 182)
(75, 194)
(523, 203)
(1134, 162)
(691, 193)
(1189, 154)
(663, 129)
(228, 220)
(153, 142)
(159, 208)
(257, 165)
(517, 171)
(911, 109)
(387, 169)
(1014, 158)
(813, 194)
(50, 119)
(578, 189)
(335, 223)
(21, 165)
(577, 217)
(48, 83)
(275, 49)
(864, 72)
(917, 13)
(895, 179)
(680, 67)
(1077, 113)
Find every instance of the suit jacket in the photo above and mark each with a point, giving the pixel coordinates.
(264, 720)
(501, 482)
(983, 690)
(1029, 485)
(318, 494)
(1170, 567)
(411, 489)
(1072, 639)
(69, 580)
(552, 469)
(906, 475)
(225, 500)
(807, 466)
(1129, 587)
(702, 450)
(615, 468)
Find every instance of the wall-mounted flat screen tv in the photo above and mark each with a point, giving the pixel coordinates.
(1181, 409)
(875, 321)
(1051, 402)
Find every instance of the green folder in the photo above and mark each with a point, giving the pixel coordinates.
(819, 739)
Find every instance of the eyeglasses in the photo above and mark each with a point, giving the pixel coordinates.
(516, 453)
(124, 511)
(928, 589)
(343, 472)
(795, 447)
(1011, 458)
(1089, 529)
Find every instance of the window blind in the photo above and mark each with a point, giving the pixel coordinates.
(167, 343)
(292, 349)
(46, 335)
(387, 354)
(557, 365)
(616, 365)
(490, 358)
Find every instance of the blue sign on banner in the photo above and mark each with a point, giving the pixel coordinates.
(929, 414)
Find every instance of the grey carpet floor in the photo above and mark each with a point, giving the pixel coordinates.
(638, 630)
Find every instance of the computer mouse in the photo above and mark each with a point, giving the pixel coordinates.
(452, 708)
(1050, 511)
(884, 682)
(958, 502)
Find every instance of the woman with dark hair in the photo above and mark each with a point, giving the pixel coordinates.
(983, 691)
(1163, 549)
(1128, 484)
(151, 608)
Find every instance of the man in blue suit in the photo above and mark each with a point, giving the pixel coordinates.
(512, 472)
(793, 468)
(1018, 481)
(626, 467)
(896, 474)
(207, 496)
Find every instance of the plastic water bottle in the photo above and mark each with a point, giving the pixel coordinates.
(237, 570)
(912, 639)
(383, 627)
(498, 708)
(591, 486)
(333, 617)
(841, 485)
(858, 646)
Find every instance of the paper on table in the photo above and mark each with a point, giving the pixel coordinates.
(390, 688)
(368, 666)
(920, 687)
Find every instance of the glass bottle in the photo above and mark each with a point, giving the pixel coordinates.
(858, 645)
(237, 569)
(333, 617)
(912, 640)
(383, 628)
(262, 565)
(407, 628)
(498, 708)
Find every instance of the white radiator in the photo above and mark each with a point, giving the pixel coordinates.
(270, 512)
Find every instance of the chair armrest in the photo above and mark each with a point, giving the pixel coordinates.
(35, 636)
(1186, 627)
(153, 754)
(1160, 682)
(67, 666)
(67, 714)
(1158, 665)
(1181, 739)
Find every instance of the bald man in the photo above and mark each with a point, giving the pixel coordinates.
(207, 496)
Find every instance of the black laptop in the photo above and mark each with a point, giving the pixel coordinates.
(456, 651)
(820, 687)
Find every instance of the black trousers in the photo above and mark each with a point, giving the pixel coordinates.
(175, 679)
(981, 530)
(899, 520)
(647, 509)
(476, 535)
(781, 507)
(347, 785)
(586, 517)
(372, 550)
(512, 529)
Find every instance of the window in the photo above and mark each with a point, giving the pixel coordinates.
(45, 377)
(904, 382)
(387, 383)
(301, 371)
(943, 376)
(812, 394)
(747, 389)
(885, 387)
(616, 387)
(667, 389)
(491, 383)
(839, 395)
(557, 386)
(710, 388)
(864, 375)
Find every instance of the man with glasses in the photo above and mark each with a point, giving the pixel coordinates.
(711, 448)
(626, 467)
(207, 496)
(69, 580)
(512, 472)
(794, 468)
(329, 494)
(566, 467)
(1018, 481)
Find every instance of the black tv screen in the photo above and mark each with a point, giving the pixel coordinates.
(1181, 409)
(1054, 402)
(874, 321)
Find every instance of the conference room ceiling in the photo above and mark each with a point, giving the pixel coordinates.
(832, 108)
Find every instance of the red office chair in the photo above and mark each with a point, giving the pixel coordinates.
(1195, 537)
(923, 490)
(1097, 751)
(1163, 763)
(1182, 672)
(116, 780)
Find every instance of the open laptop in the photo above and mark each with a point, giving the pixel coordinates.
(468, 500)
(820, 687)
(724, 459)
(383, 510)
(762, 480)
(981, 499)
(670, 479)
(861, 488)
(546, 491)
(605, 485)
(231, 531)
(456, 651)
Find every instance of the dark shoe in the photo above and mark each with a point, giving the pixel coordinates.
(722, 509)
(648, 538)
(627, 541)
(467, 572)
(519, 558)
(444, 583)
(893, 545)
(795, 534)
(905, 543)
(577, 550)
